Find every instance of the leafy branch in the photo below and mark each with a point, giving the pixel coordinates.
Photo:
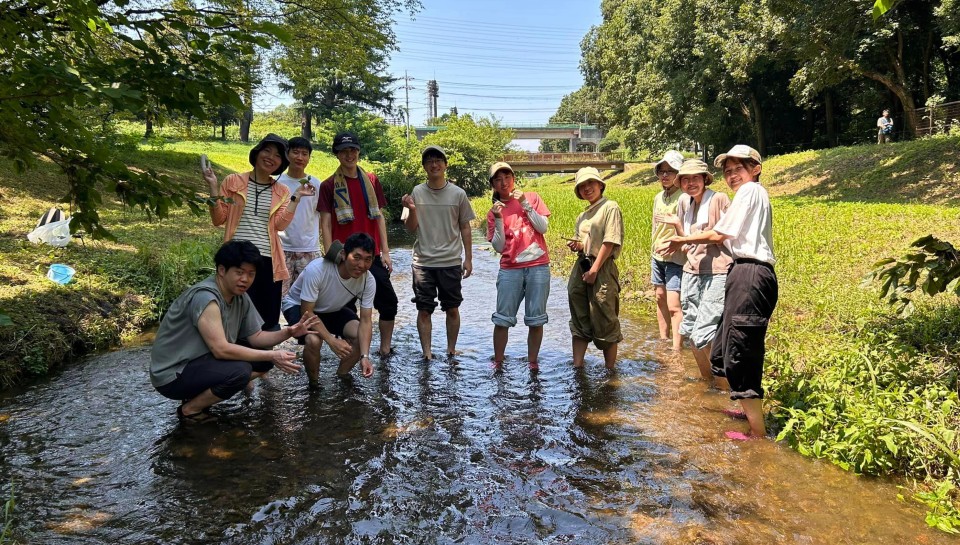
(934, 267)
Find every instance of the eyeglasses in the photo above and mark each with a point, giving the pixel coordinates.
(432, 161)
(665, 173)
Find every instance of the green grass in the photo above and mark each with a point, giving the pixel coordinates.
(846, 379)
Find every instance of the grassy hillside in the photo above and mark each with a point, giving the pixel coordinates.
(120, 286)
(846, 379)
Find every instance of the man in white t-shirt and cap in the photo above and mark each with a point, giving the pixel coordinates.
(751, 292)
(301, 239)
(884, 128)
(329, 287)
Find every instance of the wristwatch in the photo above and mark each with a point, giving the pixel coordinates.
(293, 198)
(364, 357)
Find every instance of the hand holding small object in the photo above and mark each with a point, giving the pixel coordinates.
(305, 190)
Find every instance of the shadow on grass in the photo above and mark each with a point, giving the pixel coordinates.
(922, 171)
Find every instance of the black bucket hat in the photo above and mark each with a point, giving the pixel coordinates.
(277, 141)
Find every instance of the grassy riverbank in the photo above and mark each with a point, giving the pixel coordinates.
(120, 286)
(846, 379)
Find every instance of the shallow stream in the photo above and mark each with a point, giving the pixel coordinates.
(428, 453)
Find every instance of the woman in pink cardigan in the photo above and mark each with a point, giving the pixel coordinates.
(254, 207)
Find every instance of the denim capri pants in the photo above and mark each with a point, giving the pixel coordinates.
(701, 299)
(530, 284)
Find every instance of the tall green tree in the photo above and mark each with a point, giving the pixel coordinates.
(62, 63)
(340, 58)
(60, 60)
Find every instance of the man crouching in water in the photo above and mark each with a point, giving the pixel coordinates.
(330, 288)
(197, 358)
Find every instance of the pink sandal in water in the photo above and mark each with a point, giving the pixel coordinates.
(738, 436)
(735, 413)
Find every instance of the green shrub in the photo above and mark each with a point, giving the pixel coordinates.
(471, 146)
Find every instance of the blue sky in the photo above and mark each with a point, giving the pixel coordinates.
(512, 59)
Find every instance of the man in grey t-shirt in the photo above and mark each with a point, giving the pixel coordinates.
(440, 214)
(197, 358)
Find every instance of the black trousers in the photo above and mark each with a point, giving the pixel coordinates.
(740, 345)
(225, 378)
(266, 295)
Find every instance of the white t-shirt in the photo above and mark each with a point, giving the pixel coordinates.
(321, 282)
(303, 233)
(749, 224)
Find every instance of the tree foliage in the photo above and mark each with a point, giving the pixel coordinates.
(934, 267)
(472, 145)
(777, 74)
(67, 66)
(326, 68)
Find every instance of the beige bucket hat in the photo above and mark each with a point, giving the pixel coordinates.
(695, 166)
(584, 175)
(740, 151)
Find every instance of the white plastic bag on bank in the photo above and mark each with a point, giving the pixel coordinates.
(53, 229)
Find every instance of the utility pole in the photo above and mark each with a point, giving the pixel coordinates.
(406, 90)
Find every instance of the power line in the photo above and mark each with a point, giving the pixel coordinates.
(535, 97)
(499, 26)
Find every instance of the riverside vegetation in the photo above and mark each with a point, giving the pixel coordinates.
(847, 379)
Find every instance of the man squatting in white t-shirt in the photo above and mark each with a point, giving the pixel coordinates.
(301, 239)
(329, 287)
(751, 291)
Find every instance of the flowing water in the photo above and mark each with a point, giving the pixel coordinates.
(436, 452)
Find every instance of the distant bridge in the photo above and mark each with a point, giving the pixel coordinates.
(575, 133)
(564, 162)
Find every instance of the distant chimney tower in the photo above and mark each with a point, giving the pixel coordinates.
(433, 91)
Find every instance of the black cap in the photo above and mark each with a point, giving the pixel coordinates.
(278, 141)
(344, 140)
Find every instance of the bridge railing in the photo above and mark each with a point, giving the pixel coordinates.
(561, 158)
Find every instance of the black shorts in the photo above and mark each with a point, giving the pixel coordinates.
(334, 321)
(225, 378)
(740, 345)
(428, 284)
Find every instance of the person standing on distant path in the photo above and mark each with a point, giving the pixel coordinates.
(440, 215)
(705, 272)
(593, 289)
(666, 272)
(351, 201)
(516, 224)
(198, 358)
(258, 209)
(884, 128)
(752, 290)
(301, 239)
(331, 288)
